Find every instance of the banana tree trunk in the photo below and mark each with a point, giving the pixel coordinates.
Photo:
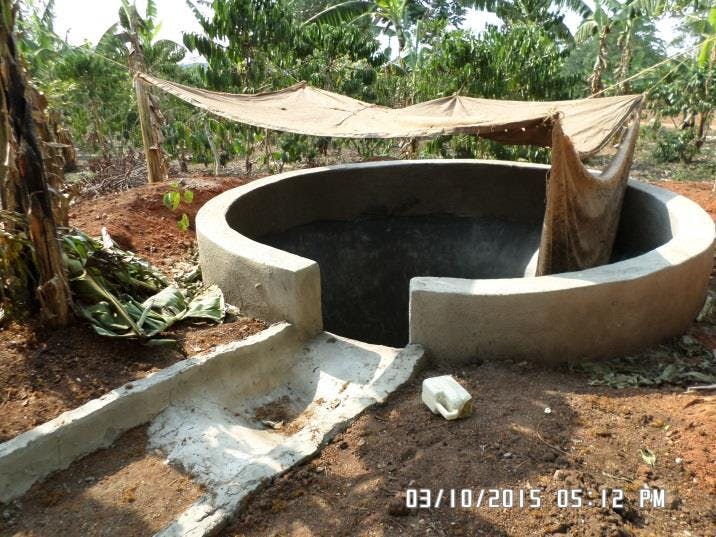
(53, 159)
(625, 41)
(212, 147)
(149, 120)
(22, 144)
(600, 64)
(151, 137)
(64, 138)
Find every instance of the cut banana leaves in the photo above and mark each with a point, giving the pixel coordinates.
(124, 296)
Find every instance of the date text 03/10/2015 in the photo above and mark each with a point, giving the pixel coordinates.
(505, 498)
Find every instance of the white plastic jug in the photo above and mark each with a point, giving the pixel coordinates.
(444, 395)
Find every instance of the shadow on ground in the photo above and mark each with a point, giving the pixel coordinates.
(590, 440)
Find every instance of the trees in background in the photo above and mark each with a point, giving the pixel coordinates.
(686, 90)
(345, 46)
(548, 14)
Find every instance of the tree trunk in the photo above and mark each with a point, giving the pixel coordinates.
(53, 291)
(703, 129)
(53, 158)
(212, 147)
(600, 64)
(150, 123)
(625, 42)
(64, 138)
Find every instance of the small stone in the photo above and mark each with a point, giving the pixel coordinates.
(679, 460)
(397, 507)
(507, 455)
(548, 410)
(675, 502)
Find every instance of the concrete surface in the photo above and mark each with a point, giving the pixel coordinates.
(276, 285)
(603, 312)
(355, 221)
(209, 415)
(217, 437)
(52, 446)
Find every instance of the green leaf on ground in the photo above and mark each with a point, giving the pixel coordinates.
(648, 456)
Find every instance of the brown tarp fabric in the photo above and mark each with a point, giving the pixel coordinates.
(582, 209)
(302, 109)
(582, 214)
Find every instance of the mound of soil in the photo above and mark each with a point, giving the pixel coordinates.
(44, 373)
(138, 221)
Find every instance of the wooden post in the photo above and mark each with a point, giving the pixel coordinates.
(151, 135)
(149, 115)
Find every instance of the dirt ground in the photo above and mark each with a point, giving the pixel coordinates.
(700, 192)
(44, 373)
(120, 491)
(138, 221)
(591, 439)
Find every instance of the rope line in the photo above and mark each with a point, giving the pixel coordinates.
(652, 67)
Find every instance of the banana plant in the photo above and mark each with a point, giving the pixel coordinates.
(123, 296)
(598, 25)
(134, 40)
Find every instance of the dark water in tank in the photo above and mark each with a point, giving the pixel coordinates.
(366, 264)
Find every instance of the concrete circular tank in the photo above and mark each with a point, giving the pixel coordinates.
(442, 253)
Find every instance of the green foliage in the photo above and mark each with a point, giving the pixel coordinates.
(174, 198)
(259, 45)
(685, 91)
(497, 64)
(548, 14)
(246, 43)
(123, 296)
(674, 146)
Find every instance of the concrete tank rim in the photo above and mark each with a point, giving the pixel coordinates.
(694, 234)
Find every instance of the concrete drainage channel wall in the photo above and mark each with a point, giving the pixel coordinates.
(442, 253)
(204, 414)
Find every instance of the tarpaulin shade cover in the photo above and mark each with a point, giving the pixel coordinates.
(583, 210)
(303, 109)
